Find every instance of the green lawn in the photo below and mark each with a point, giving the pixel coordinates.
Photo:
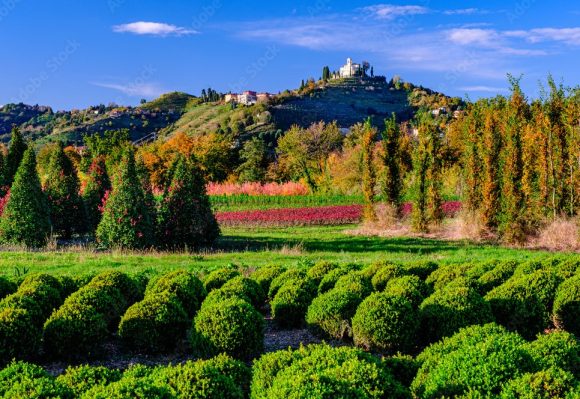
(255, 247)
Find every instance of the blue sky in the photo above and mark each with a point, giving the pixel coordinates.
(69, 54)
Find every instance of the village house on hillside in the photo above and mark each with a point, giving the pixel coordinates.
(247, 97)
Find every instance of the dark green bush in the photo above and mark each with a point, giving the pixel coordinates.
(373, 268)
(480, 359)
(287, 276)
(319, 270)
(449, 309)
(320, 371)
(385, 322)
(410, 287)
(220, 295)
(553, 383)
(125, 284)
(566, 308)
(497, 276)
(329, 280)
(384, 275)
(105, 299)
(331, 313)
(220, 378)
(185, 285)
(34, 280)
(403, 367)
(291, 302)
(557, 349)
(19, 301)
(81, 379)
(219, 277)
(7, 287)
(264, 276)
(357, 282)
(23, 380)
(232, 326)
(421, 269)
(155, 324)
(446, 274)
(74, 329)
(524, 303)
(69, 285)
(246, 287)
(46, 297)
(19, 337)
(130, 387)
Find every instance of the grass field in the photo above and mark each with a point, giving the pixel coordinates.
(255, 247)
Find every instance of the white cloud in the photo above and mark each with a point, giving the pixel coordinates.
(134, 89)
(153, 29)
(463, 11)
(482, 37)
(390, 11)
(565, 35)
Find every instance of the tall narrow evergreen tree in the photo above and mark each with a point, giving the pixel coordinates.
(490, 155)
(16, 152)
(126, 222)
(185, 218)
(392, 160)
(61, 187)
(25, 220)
(98, 184)
(368, 172)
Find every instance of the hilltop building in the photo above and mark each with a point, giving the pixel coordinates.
(350, 70)
(247, 97)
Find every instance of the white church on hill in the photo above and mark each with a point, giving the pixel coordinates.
(350, 70)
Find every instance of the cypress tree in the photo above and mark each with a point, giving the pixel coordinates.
(392, 159)
(490, 154)
(97, 186)
(185, 218)
(62, 191)
(16, 152)
(25, 219)
(126, 222)
(368, 173)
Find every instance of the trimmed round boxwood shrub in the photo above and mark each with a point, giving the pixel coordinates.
(246, 287)
(81, 379)
(19, 301)
(384, 275)
(74, 329)
(446, 274)
(478, 360)
(557, 349)
(291, 302)
(329, 280)
(449, 309)
(553, 383)
(219, 277)
(125, 284)
(43, 279)
(155, 324)
(524, 303)
(287, 276)
(566, 308)
(421, 269)
(232, 326)
(130, 388)
(331, 313)
(186, 287)
(319, 270)
(19, 337)
(105, 299)
(24, 380)
(69, 285)
(264, 275)
(373, 268)
(220, 377)
(410, 287)
(403, 367)
(320, 371)
(221, 295)
(46, 297)
(357, 282)
(497, 276)
(385, 322)
(7, 287)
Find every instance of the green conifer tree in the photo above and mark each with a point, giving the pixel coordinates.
(25, 220)
(16, 152)
(392, 158)
(97, 186)
(185, 218)
(126, 222)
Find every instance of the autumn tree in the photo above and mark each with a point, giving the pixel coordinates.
(97, 186)
(62, 191)
(253, 157)
(185, 218)
(25, 220)
(490, 148)
(368, 176)
(392, 162)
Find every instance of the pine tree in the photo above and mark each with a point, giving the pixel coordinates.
(368, 175)
(185, 218)
(61, 187)
(25, 220)
(16, 152)
(97, 186)
(126, 222)
(392, 159)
